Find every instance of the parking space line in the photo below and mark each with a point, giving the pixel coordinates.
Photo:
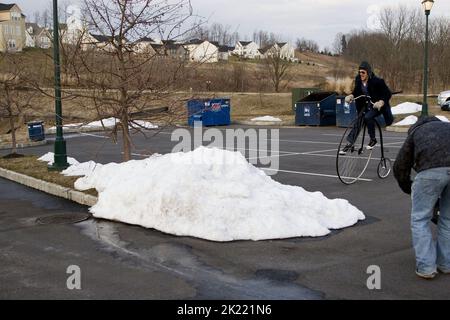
(312, 174)
(340, 135)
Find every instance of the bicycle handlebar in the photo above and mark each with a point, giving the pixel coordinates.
(364, 96)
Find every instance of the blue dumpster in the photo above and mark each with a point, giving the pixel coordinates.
(346, 113)
(211, 112)
(317, 109)
(36, 131)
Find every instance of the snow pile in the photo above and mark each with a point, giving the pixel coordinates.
(406, 108)
(140, 124)
(267, 118)
(82, 169)
(50, 157)
(108, 123)
(212, 194)
(443, 118)
(407, 121)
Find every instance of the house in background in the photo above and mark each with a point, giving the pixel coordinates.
(225, 52)
(145, 45)
(246, 50)
(101, 42)
(202, 51)
(177, 51)
(29, 32)
(282, 50)
(287, 51)
(12, 28)
(39, 37)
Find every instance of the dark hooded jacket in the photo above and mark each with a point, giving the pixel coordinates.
(427, 146)
(378, 90)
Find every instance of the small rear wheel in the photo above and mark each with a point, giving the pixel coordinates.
(384, 168)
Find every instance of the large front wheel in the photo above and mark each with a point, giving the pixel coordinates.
(352, 164)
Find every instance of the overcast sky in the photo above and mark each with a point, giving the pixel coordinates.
(319, 20)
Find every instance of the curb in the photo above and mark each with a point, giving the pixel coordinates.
(78, 130)
(266, 123)
(50, 188)
(24, 145)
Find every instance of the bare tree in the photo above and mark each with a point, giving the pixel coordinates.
(37, 17)
(396, 51)
(46, 18)
(16, 95)
(340, 44)
(307, 45)
(276, 67)
(118, 79)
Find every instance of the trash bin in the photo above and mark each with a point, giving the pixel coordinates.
(317, 109)
(300, 93)
(36, 131)
(346, 113)
(211, 112)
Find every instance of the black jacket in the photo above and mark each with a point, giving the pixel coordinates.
(427, 146)
(378, 90)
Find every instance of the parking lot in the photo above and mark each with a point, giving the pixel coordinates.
(121, 261)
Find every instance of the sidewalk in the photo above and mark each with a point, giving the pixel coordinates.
(5, 146)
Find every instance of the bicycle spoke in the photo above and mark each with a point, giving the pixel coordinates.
(351, 166)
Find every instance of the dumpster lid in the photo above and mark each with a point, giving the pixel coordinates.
(317, 96)
(35, 122)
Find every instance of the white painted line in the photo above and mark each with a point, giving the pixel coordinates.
(93, 135)
(334, 156)
(340, 135)
(271, 156)
(140, 154)
(305, 141)
(313, 174)
(314, 152)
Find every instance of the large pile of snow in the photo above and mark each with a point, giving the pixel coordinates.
(267, 118)
(108, 123)
(406, 108)
(211, 194)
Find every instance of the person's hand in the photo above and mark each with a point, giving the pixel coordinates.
(379, 104)
(349, 99)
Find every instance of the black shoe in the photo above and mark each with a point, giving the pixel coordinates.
(346, 149)
(372, 144)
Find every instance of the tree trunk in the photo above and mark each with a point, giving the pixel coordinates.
(126, 137)
(13, 135)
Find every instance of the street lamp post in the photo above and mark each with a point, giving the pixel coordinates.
(60, 159)
(427, 5)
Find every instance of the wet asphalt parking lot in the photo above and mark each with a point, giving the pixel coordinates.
(119, 261)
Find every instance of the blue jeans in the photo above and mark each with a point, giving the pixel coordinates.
(428, 186)
(369, 119)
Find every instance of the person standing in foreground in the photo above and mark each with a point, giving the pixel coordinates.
(427, 151)
(368, 84)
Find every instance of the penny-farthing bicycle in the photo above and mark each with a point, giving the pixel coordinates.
(352, 164)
